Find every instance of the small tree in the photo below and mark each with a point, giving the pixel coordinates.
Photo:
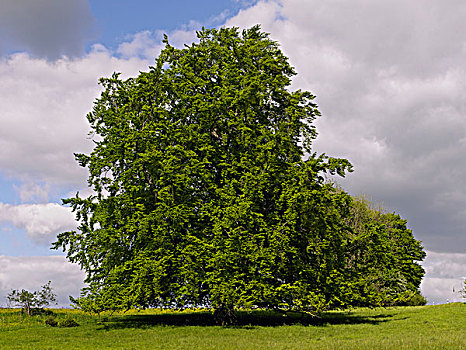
(28, 301)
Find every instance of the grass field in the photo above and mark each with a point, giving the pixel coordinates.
(426, 327)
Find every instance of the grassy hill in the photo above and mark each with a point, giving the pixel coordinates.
(426, 327)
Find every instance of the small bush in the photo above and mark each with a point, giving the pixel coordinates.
(69, 322)
(409, 298)
(417, 300)
(51, 321)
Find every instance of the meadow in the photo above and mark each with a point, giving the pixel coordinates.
(422, 327)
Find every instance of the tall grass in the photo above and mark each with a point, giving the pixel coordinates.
(427, 327)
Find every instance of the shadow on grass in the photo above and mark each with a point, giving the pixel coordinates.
(244, 319)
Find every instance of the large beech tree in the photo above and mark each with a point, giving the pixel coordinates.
(207, 192)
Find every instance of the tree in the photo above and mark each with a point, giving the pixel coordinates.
(382, 257)
(206, 188)
(28, 301)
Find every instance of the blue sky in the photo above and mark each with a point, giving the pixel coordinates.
(116, 19)
(389, 78)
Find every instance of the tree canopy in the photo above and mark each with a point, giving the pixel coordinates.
(207, 192)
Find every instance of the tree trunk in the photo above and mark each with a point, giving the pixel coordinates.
(27, 307)
(224, 315)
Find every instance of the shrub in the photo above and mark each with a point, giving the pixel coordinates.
(51, 321)
(411, 299)
(69, 322)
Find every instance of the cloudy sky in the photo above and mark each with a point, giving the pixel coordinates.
(389, 77)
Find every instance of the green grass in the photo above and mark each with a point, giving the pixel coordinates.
(427, 327)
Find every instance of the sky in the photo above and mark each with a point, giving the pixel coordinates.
(389, 77)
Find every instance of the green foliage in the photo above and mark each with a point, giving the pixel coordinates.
(382, 258)
(30, 301)
(51, 321)
(414, 299)
(207, 193)
(68, 322)
(202, 193)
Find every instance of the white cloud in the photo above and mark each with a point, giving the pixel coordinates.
(42, 222)
(31, 273)
(143, 44)
(31, 191)
(264, 13)
(445, 265)
(178, 38)
(42, 112)
(147, 45)
(445, 275)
